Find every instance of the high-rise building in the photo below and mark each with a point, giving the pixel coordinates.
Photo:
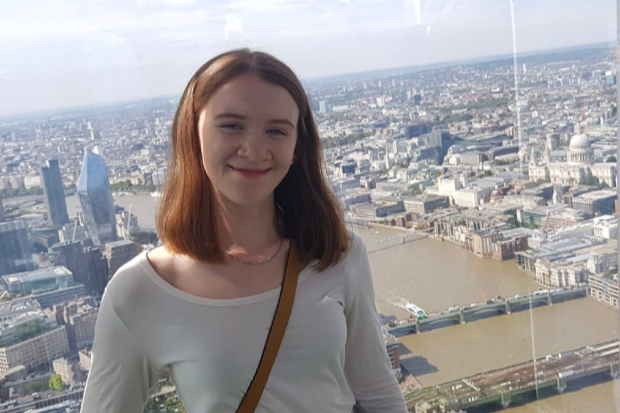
(96, 199)
(15, 252)
(87, 263)
(120, 252)
(1, 209)
(54, 193)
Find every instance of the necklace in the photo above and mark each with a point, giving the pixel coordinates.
(265, 261)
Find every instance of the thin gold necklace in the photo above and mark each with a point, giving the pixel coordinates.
(265, 261)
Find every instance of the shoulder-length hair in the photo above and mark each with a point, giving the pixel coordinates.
(310, 213)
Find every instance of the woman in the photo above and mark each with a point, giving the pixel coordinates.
(245, 183)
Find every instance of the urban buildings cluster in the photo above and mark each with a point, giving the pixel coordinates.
(450, 152)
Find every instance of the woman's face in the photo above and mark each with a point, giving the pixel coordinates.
(248, 132)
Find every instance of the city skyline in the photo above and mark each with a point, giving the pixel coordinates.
(151, 49)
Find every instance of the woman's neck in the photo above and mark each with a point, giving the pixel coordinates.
(247, 229)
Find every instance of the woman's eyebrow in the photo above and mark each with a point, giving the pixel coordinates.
(241, 117)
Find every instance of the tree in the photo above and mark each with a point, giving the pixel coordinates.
(56, 383)
(488, 172)
(151, 406)
(531, 225)
(173, 404)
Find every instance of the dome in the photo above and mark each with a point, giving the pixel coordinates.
(579, 142)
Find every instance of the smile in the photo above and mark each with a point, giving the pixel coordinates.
(251, 173)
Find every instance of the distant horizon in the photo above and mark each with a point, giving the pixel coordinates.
(67, 110)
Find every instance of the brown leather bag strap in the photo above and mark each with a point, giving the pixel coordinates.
(278, 327)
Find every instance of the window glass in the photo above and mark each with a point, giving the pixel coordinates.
(473, 145)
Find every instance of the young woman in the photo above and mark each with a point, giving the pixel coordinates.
(245, 184)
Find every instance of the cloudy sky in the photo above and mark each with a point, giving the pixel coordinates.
(70, 53)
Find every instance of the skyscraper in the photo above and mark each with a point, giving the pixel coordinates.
(54, 193)
(96, 199)
(15, 253)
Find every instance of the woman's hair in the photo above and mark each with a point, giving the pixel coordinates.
(310, 212)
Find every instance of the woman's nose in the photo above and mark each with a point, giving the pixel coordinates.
(253, 146)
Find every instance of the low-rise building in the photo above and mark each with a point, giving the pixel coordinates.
(379, 210)
(67, 369)
(79, 317)
(425, 204)
(596, 202)
(604, 289)
(391, 346)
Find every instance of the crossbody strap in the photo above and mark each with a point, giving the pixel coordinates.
(278, 327)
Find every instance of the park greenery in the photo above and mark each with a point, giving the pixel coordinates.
(127, 186)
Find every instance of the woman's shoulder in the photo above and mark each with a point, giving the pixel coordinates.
(129, 275)
(357, 246)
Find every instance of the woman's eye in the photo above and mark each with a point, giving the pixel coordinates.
(277, 132)
(231, 126)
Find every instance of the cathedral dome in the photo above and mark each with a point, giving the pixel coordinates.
(579, 142)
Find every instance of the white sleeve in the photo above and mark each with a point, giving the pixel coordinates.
(120, 377)
(367, 365)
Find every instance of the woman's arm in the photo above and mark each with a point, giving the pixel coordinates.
(367, 365)
(120, 376)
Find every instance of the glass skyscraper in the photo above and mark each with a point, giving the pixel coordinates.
(96, 199)
(54, 193)
(15, 252)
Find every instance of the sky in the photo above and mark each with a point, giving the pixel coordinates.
(58, 54)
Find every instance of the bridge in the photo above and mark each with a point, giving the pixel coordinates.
(502, 385)
(395, 240)
(490, 308)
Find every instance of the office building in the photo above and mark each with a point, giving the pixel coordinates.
(96, 199)
(596, 202)
(86, 262)
(54, 193)
(47, 286)
(39, 281)
(604, 289)
(36, 351)
(118, 253)
(425, 204)
(79, 317)
(15, 251)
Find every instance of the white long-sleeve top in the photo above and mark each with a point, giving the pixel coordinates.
(332, 353)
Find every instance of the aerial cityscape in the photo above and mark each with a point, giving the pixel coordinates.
(495, 185)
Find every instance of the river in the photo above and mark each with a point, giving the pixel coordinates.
(436, 275)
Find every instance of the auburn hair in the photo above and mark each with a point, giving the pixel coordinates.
(309, 213)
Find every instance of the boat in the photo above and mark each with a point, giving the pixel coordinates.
(416, 311)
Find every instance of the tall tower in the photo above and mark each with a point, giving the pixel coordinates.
(15, 252)
(96, 199)
(54, 193)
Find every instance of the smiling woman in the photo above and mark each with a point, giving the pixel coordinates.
(245, 183)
